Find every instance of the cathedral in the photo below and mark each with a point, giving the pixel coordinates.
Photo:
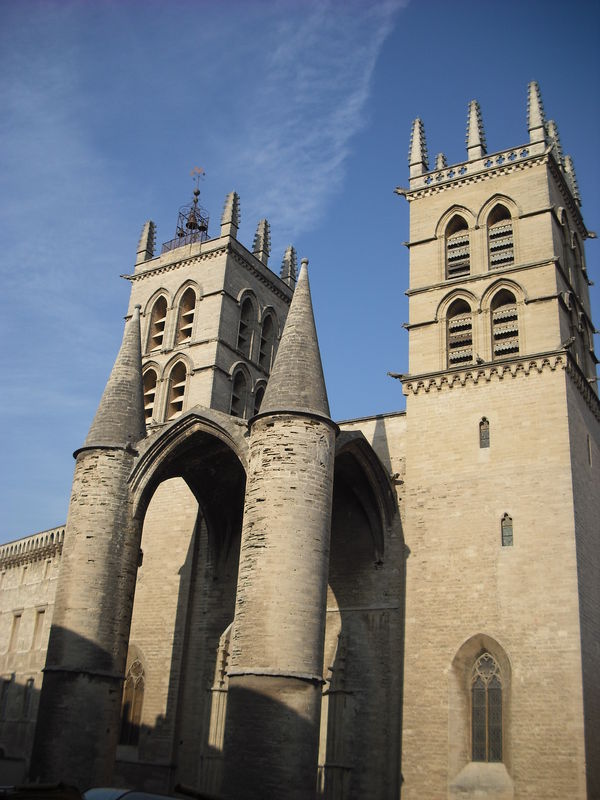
(252, 600)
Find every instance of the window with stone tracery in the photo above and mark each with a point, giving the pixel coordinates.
(486, 709)
(133, 700)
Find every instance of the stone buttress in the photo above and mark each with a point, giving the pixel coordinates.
(276, 663)
(79, 712)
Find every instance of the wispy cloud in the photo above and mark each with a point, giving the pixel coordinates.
(307, 106)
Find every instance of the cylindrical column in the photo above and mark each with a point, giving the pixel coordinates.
(276, 661)
(79, 711)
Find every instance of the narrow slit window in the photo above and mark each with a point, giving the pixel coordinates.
(460, 334)
(458, 248)
(38, 630)
(506, 527)
(505, 325)
(150, 381)
(486, 710)
(158, 319)
(177, 384)
(239, 391)
(484, 432)
(27, 698)
(501, 246)
(185, 321)
(14, 633)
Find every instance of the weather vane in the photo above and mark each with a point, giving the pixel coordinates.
(197, 173)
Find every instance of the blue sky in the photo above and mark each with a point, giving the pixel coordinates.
(304, 108)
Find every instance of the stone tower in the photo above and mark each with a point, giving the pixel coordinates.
(276, 665)
(502, 476)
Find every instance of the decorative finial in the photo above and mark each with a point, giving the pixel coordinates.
(554, 141)
(230, 220)
(569, 168)
(475, 140)
(440, 161)
(146, 244)
(304, 262)
(536, 119)
(417, 154)
(289, 267)
(262, 242)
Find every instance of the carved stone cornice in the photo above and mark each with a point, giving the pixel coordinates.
(46, 544)
(173, 265)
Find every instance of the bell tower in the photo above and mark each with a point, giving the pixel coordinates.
(503, 471)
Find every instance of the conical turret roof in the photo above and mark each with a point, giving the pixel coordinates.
(297, 382)
(120, 419)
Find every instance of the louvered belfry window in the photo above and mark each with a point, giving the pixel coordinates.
(247, 317)
(239, 393)
(460, 334)
(505, 325)
(458, 248)
(177, 383)
(486, 709)
(150, 380)
(185, 323)
(500, 238)
(158, 319)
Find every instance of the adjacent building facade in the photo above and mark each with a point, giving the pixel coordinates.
(254, 600)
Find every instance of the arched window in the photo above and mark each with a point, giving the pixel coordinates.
(486, 709)
(133, 700)
(158, 318)
(258, 398)
(239, 393)
(500, 238)
(150, 380)
(506, 529)
(185, 318)
(246, 327)
(458, 250)
(484, 432)
(505, 324)
(460, 334)
(176, 392)
(267, 343)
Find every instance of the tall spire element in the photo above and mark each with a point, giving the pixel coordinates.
(230, 220)
(262, 242)
(119, 419)
(297, 382)
(475, 141)
(146, 244)
(572, 179)
(417, 154)
(289, 267)
(536, 119)
(441, 161)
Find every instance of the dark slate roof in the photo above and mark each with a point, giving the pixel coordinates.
(120, 419)
(297, 382)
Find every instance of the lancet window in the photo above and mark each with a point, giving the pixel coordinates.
(484, 432)
(267, 343)
(505, 324)
(258, 398)
(150, 381)
(185, 319)
(246, 327)
(239, 394)
(506, 528)
(158, 319)
(458, 248)
(133, 700)
(176, 393)
(501, 246)
(460, 334)
(486, 709)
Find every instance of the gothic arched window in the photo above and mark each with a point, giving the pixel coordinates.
(258, 398)
(484, 432)
(458, 250)
(505, 324)
(150, 380)
(246, 327)
(158, 318)
(133, 700)
(185, 318)
(486, 709)
(459, 334)
(506, 529)
(501, 245)
(239, 393)
(176, 391)
(267, 343)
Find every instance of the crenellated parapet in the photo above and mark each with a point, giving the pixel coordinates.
(45, 544)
